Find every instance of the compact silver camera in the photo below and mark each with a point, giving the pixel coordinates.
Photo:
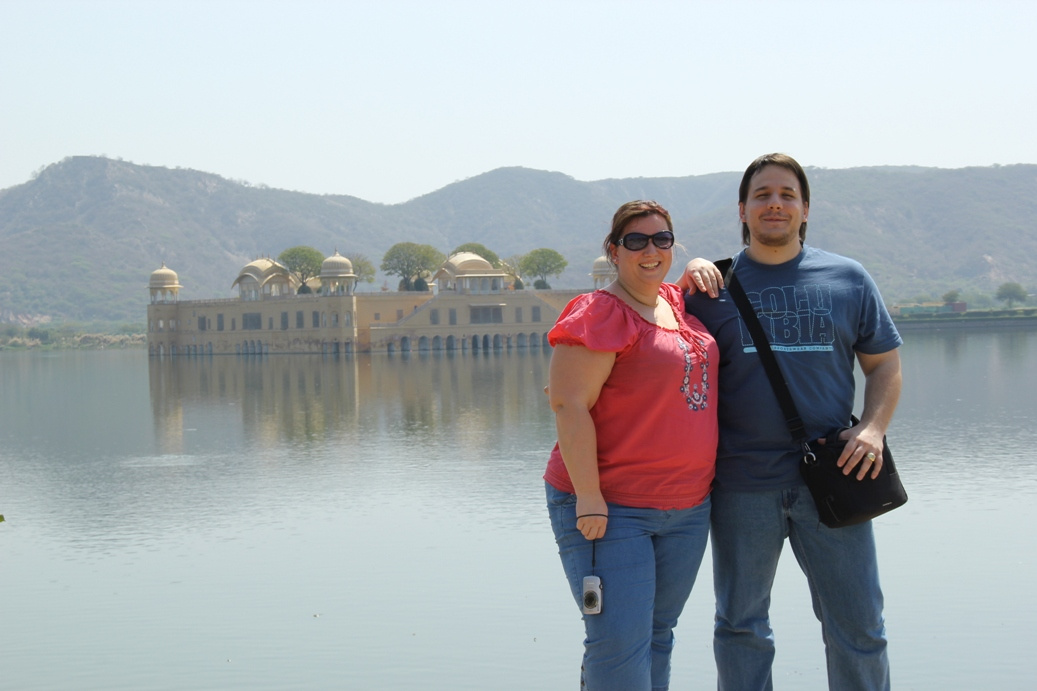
(591, 595)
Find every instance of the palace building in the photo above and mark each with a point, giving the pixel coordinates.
(469, 306)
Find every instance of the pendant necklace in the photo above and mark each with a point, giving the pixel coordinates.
(653, 305)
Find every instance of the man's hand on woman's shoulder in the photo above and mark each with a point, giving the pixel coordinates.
(701, 275)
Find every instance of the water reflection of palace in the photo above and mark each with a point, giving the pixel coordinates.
(470, 306)
(211, 403)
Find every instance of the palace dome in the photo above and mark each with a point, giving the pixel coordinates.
(261, 270)
(602, 267)
(467, 263)
(164, 278)
(336, 266)
(602, 272)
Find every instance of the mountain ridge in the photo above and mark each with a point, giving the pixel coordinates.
(79, 240)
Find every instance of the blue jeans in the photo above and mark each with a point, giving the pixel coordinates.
(748, 532)
(647, 562)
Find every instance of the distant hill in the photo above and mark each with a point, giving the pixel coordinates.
(79, 241)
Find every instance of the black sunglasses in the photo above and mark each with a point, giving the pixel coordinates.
(638, 241)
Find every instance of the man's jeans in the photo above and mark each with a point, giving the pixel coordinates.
(748, 532)
(647, 563)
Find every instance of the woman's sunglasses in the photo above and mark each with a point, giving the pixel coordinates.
(638, 241)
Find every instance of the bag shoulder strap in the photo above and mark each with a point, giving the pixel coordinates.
(763, 349)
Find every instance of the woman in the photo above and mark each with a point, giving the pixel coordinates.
(628, 481)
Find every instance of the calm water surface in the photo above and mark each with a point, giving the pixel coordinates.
(377, 523)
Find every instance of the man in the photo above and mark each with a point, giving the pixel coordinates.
(820, 312)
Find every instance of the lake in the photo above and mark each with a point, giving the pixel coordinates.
(378, 522)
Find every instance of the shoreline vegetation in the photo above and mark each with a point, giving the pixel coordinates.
(101, 337)
(1018, 318)
(72, 337)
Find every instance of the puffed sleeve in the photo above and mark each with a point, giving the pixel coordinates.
(597, 321)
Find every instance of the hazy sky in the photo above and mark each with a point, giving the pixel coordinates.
(388, 100)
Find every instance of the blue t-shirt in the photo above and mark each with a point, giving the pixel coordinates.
(817, 311)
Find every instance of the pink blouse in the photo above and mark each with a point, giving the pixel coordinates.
(656, 416)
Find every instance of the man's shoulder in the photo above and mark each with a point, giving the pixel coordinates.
(815, 257)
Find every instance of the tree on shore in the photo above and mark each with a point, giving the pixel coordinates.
(362, 267)
(411, 261)
(1010, 292)
(304, 263)
(510, 265)
(542, 263)
(951, 296)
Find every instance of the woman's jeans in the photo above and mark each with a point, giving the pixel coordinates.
(647, 562)
(748, 531)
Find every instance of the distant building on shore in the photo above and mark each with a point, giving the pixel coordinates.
(928, 308)
(470, 306)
